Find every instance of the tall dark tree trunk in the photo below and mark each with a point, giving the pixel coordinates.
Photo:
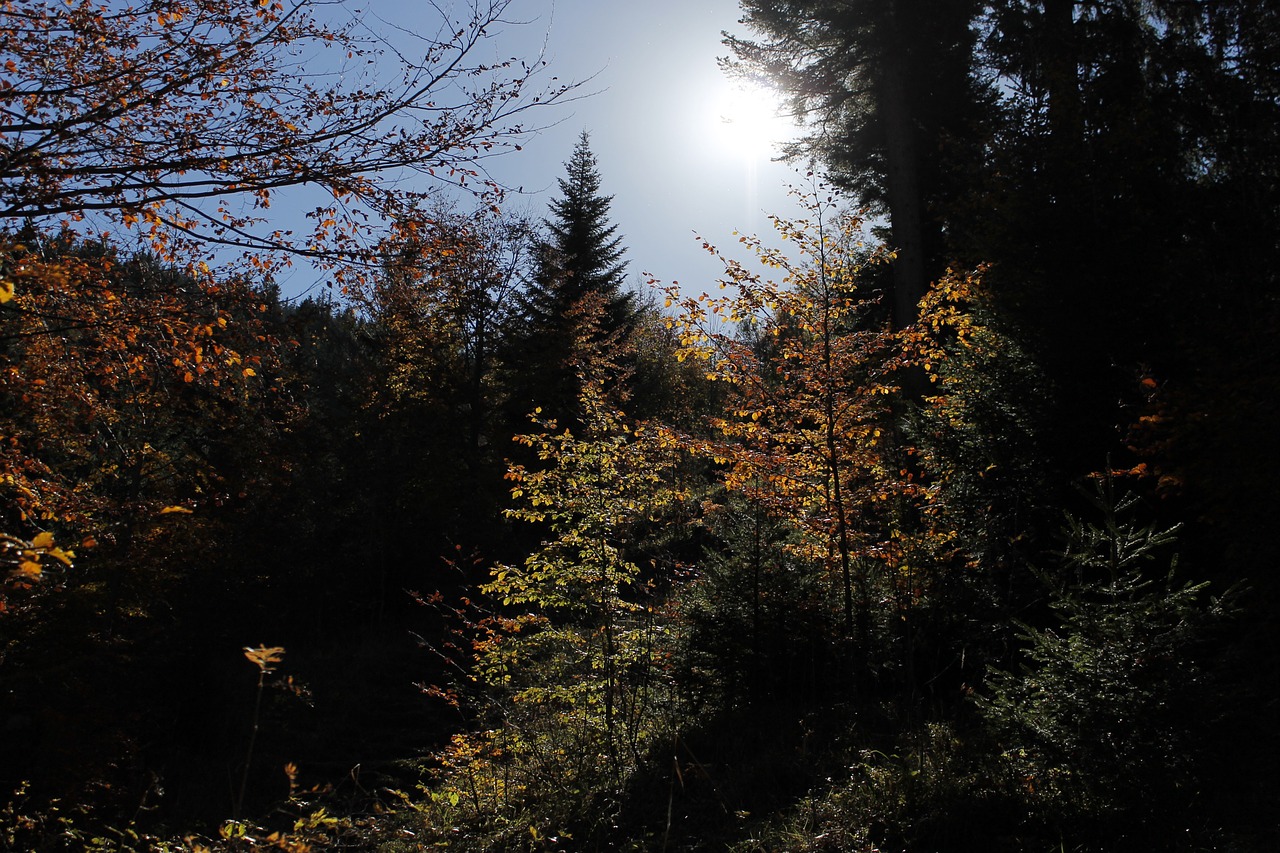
(1062, 74)
(903, 188)
(916, 235)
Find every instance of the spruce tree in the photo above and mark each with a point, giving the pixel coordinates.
(578, 295)
(583, 254)
(1102, 726)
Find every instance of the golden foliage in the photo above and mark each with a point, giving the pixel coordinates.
(185, 119)
(99, 354)
(264, 657)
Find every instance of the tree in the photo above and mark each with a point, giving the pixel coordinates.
(806, 432)
(1146, 132)
(574, 695)
(583, 254)
(143, 412)
(1103, 712)
(581, 258)
(185, 120)
(439, 319)
(188, 118)
(888, 93)
(442, 306)
(107, 361)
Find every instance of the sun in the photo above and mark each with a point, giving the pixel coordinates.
(747, 120)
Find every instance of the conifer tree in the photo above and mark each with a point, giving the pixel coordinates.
(887, 95)
(1102, 722)
(583, 253)
(581, 256)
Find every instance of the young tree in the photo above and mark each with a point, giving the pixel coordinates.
(573, 691)
(806, 432)
(1101, 720)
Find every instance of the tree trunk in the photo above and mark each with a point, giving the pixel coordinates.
(902, 186)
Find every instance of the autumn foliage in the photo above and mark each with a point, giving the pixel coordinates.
(185, 120)
(872, 545)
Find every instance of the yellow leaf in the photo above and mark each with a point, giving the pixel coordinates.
(249, 371)
(6, 291)
(29, 569)
(265, 657)
(43, 540)
(181, 509)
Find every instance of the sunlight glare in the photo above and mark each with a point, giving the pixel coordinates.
(746, 121)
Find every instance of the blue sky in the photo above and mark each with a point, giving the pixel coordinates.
(656, 119)
(657, 129)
